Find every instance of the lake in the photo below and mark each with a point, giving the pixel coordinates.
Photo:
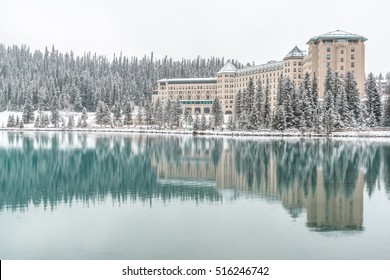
(138, 196)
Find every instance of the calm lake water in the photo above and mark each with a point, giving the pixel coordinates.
(106, 196)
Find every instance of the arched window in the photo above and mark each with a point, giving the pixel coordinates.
(228, 112)
(206, 110)
(197, 110)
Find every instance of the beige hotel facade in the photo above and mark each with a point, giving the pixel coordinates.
(341, 51)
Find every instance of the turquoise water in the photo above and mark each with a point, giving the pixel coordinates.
(138, 196)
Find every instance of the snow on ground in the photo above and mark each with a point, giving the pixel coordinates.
(93, 127)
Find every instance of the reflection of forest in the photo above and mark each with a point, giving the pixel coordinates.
(325, 177)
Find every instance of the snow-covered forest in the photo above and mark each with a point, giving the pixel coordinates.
(83, 81)
(38, 87)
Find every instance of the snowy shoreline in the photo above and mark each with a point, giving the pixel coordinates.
(385, 133)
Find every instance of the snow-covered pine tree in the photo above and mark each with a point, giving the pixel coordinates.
(55, 113)
(289, 112)
(203, 125)
(238, 106)
(177, 112)
(168, 113)
(28, 111)
(314, 91)
(11, 121)
(279, 119)
(148, 110)
(386, 113)
(231, 123)
(260, 100)
(140, 115)
(196, 125)
(267, 107)
(128, 112)
(217, 113)
(46, 120)
(84, 118)
(117, 114)
(343, 110)
(100, 113)
(106, 115)
(373, 101)
(71, 123)
(251, 96)
(352, 94)
(329, 82)
(187, 116)
(280, 90)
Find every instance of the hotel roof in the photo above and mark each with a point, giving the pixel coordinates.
(190, 81)
(295, 53)
(228, 68)
(338, 34)
(272, 65)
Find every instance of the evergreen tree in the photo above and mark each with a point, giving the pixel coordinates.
(238, 106)
(177, 112)
(231, 123)
(289, 113)
(329, 82)
(71, 122)
(352, 95)
(55, 114)
(196, 125)
(279, 120)
(106, 115)
(117, 114)
(28, 111)
(259, 104)
(217, 113)
(373, 101)
(203, 125)
(168, 113)
(84, 118)
(11, 121)
(188, 116)
(100, 110)
(314, 91)
(129, 113)
(386, 113)
(140, 115)
(148, 110)
(343, 110)
(21, 125)
(267, 107)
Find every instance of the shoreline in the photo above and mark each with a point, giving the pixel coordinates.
(366, 133)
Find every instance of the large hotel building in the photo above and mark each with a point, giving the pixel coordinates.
(340, 50)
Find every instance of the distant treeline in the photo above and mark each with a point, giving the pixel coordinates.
(83, 81)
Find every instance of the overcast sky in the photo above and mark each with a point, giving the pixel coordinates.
(248, 30)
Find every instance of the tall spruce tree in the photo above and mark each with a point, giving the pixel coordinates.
(352, 95)
(217, 113)
(373, 101)
(267, 107)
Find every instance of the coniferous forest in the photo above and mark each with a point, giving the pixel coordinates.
(83, 81)
(52, 81)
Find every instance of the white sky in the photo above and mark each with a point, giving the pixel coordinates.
(247, 30)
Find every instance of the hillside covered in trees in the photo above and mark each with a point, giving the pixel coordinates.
(83, 81)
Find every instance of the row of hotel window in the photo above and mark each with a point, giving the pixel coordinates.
(341, 51)
(341, 58)
(207, 110)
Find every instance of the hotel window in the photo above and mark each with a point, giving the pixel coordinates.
(328, 49)
(352, 56)
(352, 49)
(328, 64)
(342, 52)
(352, 64)
(341, 67)
(328, 56)
(342, 59)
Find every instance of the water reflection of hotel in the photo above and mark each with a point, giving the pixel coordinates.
(327, 209)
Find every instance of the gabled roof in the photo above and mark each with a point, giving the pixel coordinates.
(338, 34)
(270, 66)
(295, 53)
(228, 68)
